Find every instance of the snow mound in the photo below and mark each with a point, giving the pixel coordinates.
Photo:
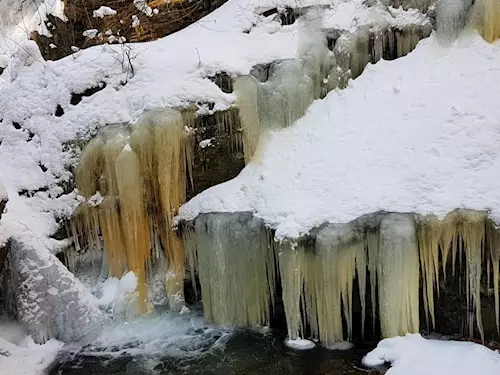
(300, 344)
(19, 354)
(414, 355)
(418, 134)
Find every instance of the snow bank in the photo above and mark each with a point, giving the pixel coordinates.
(20, 355)
(414, 355)
(419, 134)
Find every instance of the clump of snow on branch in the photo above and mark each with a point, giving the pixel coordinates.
(103, 11)
(91, 33)
(135, 21)
(143, 6)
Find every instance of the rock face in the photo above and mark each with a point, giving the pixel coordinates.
(3, 198)
(50, 301)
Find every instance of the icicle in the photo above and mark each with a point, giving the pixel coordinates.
(493, 235)
(115, 143)
(114, 243)
(489, 19)
(448, 242)
(292, 265)
(134, 219)
(372, 239)
(142, 142)
(451, 18)
(170, 149)
(285, 97)
(85, 228)
(398, 276)
(429, 235)
(191, 253)
(472, 231)
(90, 168)
(361, 264)
(235, 268)
(318, 281)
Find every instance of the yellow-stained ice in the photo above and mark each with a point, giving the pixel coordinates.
(135, 180)
(134, 219)
(490, 28)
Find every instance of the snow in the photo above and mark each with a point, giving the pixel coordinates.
(103, 11)
(414, 355)
(170, 72)
(135, 21)
(20, 355)
(418, 134)
(205, 143)
(3, 193)
(118, 295)
(19, 18)
(300, 344)
(144, 7)
(91, 33)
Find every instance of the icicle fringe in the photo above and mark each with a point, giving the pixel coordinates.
(234, 256)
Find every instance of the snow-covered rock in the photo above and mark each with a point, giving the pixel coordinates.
(414, 355)
(27, 55)
(26, 357)
(51, 302)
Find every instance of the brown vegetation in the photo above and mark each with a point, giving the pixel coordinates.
(164, 18)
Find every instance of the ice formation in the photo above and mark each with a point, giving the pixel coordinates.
(134, 179)
(235, 261)
(489, 19)
(453, 15)
(290, 90)
(273, 97)
(234, 256)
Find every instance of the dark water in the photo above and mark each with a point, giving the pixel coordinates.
(216, 352)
